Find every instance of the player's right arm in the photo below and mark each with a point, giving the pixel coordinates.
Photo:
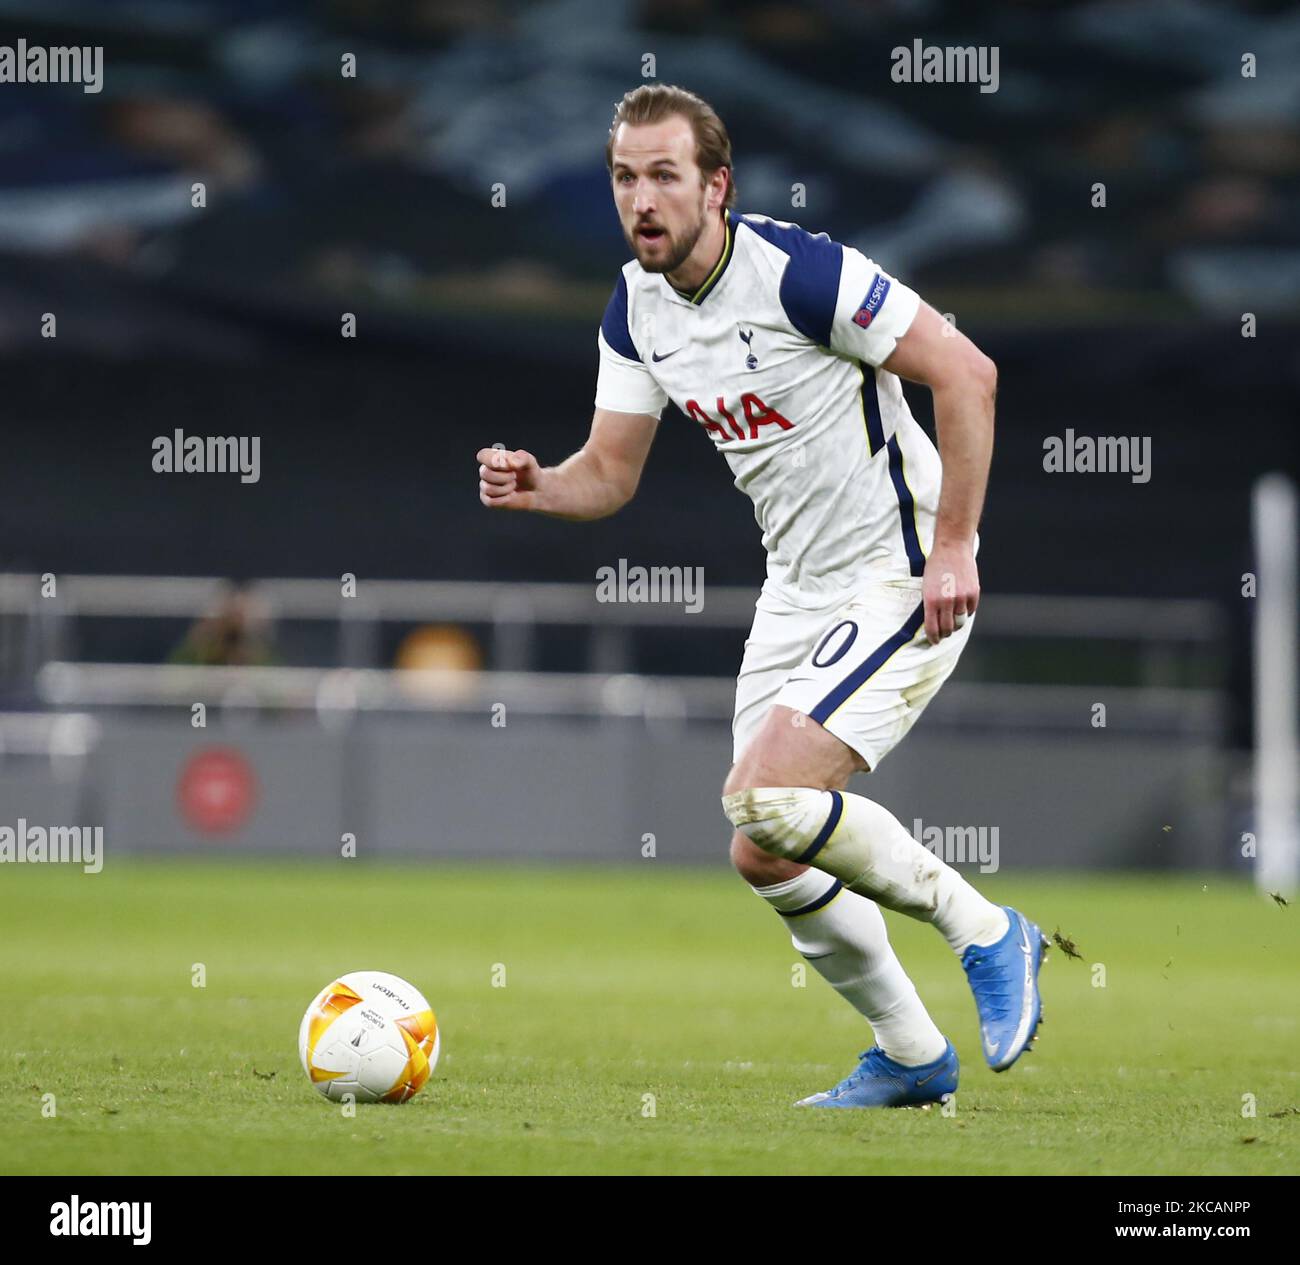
(599, 479)
(602, 476)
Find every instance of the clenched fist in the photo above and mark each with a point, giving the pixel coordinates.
(950, 590)
(507, 479)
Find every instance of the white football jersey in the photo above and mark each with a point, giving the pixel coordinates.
(776, 357)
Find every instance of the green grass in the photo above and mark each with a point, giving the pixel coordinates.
(619, 984)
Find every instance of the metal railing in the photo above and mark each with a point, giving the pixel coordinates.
(336, 695)
(34, 636)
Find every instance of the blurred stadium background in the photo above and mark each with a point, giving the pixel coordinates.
(129, 596)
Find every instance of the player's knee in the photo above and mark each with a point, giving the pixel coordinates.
(759, 868)
(776, 818)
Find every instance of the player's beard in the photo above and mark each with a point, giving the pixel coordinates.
(679, 248)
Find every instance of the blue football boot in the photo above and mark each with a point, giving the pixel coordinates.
(1004, 979)
(880, 1082)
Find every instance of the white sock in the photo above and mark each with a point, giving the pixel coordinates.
(963, 916)
(867, 848)
(844, 936)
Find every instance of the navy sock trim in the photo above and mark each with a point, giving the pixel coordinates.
(824, 899)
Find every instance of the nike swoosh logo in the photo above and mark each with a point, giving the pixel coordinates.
(990, 1047)
(817, 957)
(928, 1078)
(656, 357)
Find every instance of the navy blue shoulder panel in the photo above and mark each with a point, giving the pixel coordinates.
(614, 324)
(810, 287)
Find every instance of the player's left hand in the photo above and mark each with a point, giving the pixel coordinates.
(950, 590)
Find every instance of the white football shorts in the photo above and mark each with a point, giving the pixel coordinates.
(861, 667)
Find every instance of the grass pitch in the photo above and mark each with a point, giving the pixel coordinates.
(620, 984)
